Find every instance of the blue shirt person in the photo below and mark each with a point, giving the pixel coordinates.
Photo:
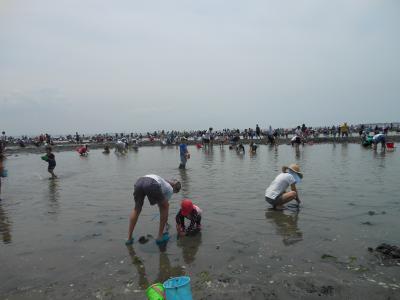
(184, 153)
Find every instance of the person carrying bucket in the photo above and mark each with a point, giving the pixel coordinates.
(191, 212)
(184, 153)
(51, 160)
(158, 191)
(276, 194)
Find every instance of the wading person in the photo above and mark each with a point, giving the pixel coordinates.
(51, 160)
(2, 170)
(83, 150)
(184, 153)
(276, 194)
(158, 191)
(379, 138)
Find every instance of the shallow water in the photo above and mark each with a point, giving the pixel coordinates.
(64, 238)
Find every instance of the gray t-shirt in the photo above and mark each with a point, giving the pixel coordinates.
(166, 188)
(279, 185)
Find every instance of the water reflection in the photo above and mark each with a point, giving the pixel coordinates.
(381, 154)
(297, 152)
(345, 149)
(54, 195)
(185, 179)
(190, 245)
(209, 153)
(286, 225)
(222, 154)
(165, 269)
(5, 226)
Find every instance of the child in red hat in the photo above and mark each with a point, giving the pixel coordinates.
(193, 213)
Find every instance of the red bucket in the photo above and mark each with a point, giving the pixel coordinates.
(390, 145)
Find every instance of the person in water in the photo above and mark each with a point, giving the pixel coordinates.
(253, 148)
(50, 158)
(2, 169)
(191, 212)
(276, 194)
(240, 148)
(83, 150)
(379, 138)
(184, 153)
(158, 191)
(106, 149)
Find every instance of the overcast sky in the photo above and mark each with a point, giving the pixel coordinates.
(134, 66)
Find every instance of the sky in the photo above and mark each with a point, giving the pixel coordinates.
(97, 66)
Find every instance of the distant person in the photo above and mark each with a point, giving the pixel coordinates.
(253, 148)
(3, 139)
(271, 138)
(83, 150)
(211, 134)
(106, 149)
(184, 153)
(120, 147)
(191, 212)
(379, 138)
(344, 130)
(276, 194)
(2, 169)
(366, 140)
(258, 132)
(240, 148)
(298, 131)
(159, 191)
(51, 160)
(295, 141)
(206, 139)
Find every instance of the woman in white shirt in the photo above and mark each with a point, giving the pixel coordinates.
(276, 194)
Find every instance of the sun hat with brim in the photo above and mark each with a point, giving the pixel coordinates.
(186, 207)
(294, 168)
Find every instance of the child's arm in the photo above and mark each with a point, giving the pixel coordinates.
(180, 223)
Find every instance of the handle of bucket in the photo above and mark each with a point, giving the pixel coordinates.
(161, 293)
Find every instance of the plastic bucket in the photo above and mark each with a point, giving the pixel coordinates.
(390, 145)
(178, 288)
(155, 292)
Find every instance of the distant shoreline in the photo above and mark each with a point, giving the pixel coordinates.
(58, 147)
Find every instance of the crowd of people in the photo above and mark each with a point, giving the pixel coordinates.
(206, 136)
(159, 190)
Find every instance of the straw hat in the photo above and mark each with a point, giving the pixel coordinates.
(293, 167)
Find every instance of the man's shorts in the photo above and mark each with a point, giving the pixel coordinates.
(273, 202)
(51, 167)
(146, 186)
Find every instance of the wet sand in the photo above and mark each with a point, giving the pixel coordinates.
(64, 238)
